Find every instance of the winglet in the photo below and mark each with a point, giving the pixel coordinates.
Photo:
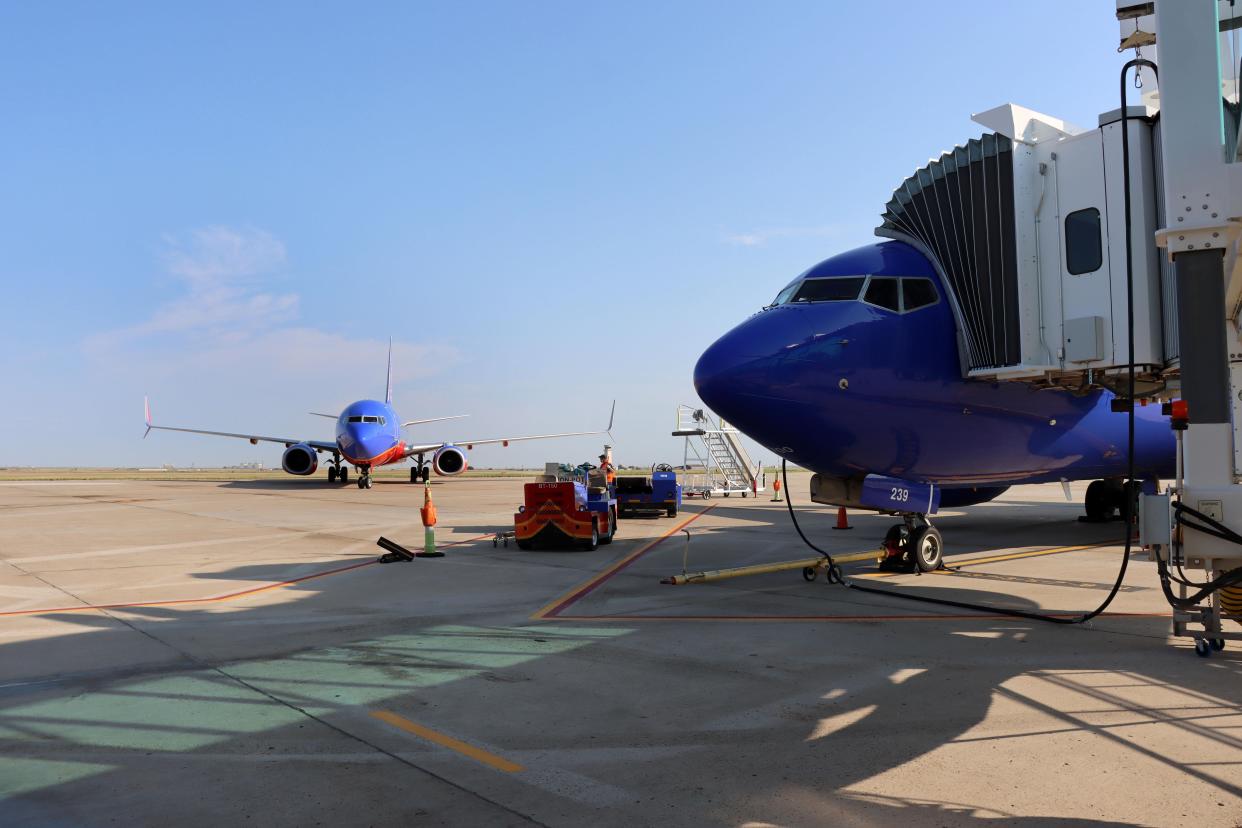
(146, 410)
(388, 385)
(611, 415)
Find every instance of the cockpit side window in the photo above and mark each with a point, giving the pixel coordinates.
(917, 293)
(882, 293)
(785, 295)
(829, 290)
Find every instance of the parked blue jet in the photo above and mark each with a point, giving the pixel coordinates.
(853, 370)
(368, 435)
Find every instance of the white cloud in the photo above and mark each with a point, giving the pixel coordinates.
(229, 323)
(761, 236)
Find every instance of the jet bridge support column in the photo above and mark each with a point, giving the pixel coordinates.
(1205, 366)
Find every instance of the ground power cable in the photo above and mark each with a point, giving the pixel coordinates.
(1128, 510)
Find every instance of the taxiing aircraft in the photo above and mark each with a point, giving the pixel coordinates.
(368, 435)
(853, 370)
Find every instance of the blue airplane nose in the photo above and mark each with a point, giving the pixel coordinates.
(747, 368)
(367, 441)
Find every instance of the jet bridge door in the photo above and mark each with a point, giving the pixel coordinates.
(1086, 292)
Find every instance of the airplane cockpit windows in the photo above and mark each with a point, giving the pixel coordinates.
(367, 418)
(357, 418)
(917, 293)
(883, 294)
(827, 290)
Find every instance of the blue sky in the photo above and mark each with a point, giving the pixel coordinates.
(232, 206)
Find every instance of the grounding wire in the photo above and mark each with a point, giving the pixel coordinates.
(834, 572)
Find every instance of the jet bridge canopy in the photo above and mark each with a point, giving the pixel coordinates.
(959, 210)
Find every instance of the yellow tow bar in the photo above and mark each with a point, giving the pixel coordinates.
(810, 568)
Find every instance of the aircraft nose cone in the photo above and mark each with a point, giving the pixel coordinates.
(746, 368)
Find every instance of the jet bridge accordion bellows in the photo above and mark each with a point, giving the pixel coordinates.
(959, 211)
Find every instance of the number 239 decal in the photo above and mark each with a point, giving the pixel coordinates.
(899, 495)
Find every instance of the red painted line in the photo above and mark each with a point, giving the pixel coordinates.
(578, 593)
(226, 597)
(844, 618)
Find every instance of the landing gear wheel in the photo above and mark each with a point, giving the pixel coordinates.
(414, 475)
(1101, 501)
(928, 548)
(809, 573)
(1202, 648)
(593, 543)
(362, 482)
(331, 474)
(343, 475)
(1218, 644)
(427, 474)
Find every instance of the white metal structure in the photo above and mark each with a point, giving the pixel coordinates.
(714, 450)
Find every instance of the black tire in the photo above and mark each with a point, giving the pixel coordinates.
(744, 494)
(1101, 501)
(672, 512)
(592, 544)
(1202, 648)
(331, 474)
(928, 548)
(362, 482)
(726, 494)
(427, 475)
(809, 573)
(343, 477)
(414, 475)
(612, 529)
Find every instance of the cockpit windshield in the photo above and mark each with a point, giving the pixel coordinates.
(822, 290)
(899, 295)
(360, 418)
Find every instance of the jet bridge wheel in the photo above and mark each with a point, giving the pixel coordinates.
(928, 548)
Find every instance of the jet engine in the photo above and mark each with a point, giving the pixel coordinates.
(448, 461)
(300, 458)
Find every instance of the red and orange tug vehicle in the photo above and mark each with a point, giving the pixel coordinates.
(578, 512)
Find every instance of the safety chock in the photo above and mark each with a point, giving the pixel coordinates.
(398, 553)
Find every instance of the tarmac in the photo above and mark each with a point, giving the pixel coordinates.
(199, 653)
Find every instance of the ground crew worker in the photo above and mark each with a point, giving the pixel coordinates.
(605, 465)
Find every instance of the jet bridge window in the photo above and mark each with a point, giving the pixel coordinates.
(1083, 250)
(828, 290)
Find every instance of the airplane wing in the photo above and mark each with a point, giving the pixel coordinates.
(320, 445)
(426, 447)
(433, 420)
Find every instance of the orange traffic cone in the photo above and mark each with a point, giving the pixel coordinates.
(842, 523)
(429, 522)
(776, 491)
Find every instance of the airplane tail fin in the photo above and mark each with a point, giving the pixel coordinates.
(146, 410)
(388, 386)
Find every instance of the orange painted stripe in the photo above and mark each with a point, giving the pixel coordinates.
(444, 740)
(226, 597)
(582, 590)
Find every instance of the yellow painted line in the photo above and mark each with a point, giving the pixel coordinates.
(1035, 553)
(478, 754)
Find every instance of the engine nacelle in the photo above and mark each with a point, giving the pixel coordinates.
(448, 461)
(300, 459)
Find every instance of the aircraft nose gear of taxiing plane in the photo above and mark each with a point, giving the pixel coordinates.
(913, 545)
(364, 477)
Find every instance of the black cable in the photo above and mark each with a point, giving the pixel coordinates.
(833, 571)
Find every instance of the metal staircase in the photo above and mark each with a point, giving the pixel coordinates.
(717, 457)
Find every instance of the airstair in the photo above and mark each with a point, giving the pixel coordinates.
(715, 460)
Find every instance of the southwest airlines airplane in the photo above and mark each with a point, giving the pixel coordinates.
(853, 371)
(368, 435)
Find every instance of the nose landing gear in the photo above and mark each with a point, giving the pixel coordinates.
(913, 545)
(364, 478)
